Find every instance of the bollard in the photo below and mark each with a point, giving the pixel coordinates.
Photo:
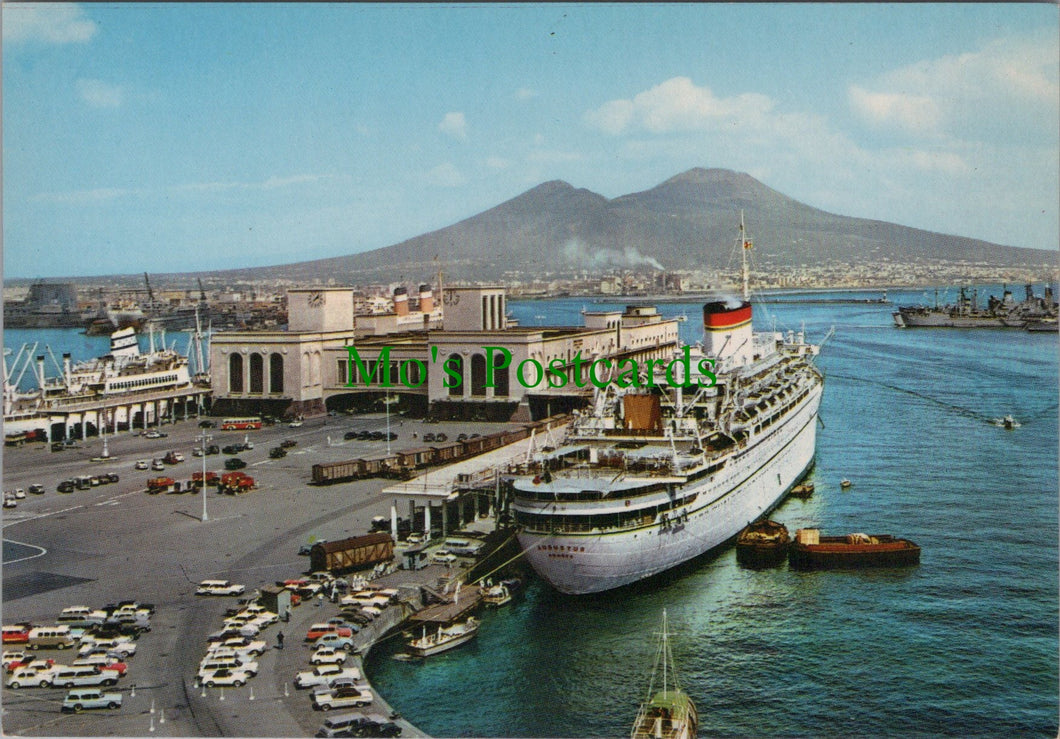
(132, 694)
(251, 693)
(204, 690)
(152, 723)
(152, 705)
(161, 716)
(222, 694)
(285, 693)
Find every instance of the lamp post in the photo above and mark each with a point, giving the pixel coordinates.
(203, 438)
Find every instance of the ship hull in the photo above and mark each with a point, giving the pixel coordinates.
(751, 484)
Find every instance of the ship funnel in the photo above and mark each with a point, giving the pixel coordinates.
(401, 301)
(40, 371)
(727, 329)
(123, 343)
(66, 368)
(426, 299)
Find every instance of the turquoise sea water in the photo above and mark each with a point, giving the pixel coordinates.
(964, 645)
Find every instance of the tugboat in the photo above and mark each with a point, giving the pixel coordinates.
(763, 544)
(444, 638)
(668, 713)
(811, 551)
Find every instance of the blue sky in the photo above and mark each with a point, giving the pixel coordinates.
(140, 137)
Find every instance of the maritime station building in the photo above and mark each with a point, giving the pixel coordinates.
(435, 351)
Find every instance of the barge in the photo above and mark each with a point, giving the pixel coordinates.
(762, 544)
(811, 551)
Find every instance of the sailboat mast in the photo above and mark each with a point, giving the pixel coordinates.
(665, 642)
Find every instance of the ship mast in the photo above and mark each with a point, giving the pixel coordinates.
(745, 246)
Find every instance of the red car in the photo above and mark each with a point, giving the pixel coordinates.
(37, 661)
(318, 630)
(104, 663)
(16, 634)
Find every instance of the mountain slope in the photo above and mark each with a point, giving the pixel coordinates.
(686, 222)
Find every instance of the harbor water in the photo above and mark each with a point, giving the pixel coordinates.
(966, 644)
(963, 645)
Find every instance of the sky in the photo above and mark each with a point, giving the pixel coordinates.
(185, 137)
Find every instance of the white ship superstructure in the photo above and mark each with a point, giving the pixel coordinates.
(651, 477)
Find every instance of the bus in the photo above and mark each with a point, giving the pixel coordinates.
(241, 424)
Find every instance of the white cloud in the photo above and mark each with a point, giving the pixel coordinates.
(445, 175)
(83, 197)
(917, 113)
(100, 94)
(270, 183)
(58, 23)
(1008, 84)
(454, 124)
(677, 105)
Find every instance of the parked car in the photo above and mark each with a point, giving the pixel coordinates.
(324, 674)
(141, 464)
(40, 677)
(82, 698)
(224, 677)
(288, 443)
(83, 676)
(219, 587)
(277, 452)
(103, 662)
(211, 663)
(342, 698)
(241, 644)
(16, 633)
(158, 465)
(206, 424)
(326, 655)
(235, 463)
(36, 489)
(37, 663)
(212, 449)
(337, 641)
(353, 723)
(116, 645)
(153, 434)
(318, 630)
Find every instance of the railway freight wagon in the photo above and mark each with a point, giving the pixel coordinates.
(355, 553)
(404, 463)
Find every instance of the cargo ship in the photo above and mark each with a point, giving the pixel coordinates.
(657, 472)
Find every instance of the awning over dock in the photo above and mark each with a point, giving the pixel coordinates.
(444, 482)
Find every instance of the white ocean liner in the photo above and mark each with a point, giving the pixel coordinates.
(649, 478)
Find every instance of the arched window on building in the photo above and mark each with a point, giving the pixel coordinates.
(235, 373)
(257, 373)
(478, 375)
(455, 365)
(276, 373)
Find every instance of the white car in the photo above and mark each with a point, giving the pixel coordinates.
(158, 465)
(219, 587)
(250, 646)
(323, 674)
(31, 677)
(294, 424)
(226, 677)
(328, 656)
(110, 646)
(211, 663)
(20, 493)
(141, 464)
(342, 698)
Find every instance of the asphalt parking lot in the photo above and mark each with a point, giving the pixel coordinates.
(114, 542)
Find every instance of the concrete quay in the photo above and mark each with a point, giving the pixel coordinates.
(114, 542)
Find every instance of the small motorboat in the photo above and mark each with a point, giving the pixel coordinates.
(805, 490)
(845, 483)
(496, 596)
(443, 638)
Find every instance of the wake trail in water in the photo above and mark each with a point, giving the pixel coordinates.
(951, 406)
